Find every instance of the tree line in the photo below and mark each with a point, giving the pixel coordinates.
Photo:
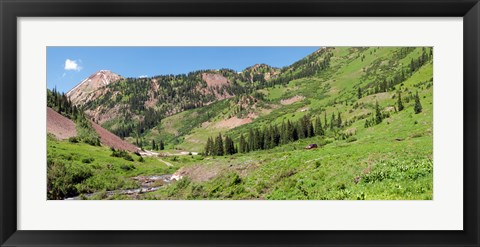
(60, 103)
(274, 135)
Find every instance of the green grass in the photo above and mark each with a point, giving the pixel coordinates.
(76, 168)
(392, 160)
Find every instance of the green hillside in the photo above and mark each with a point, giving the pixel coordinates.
(371, 145)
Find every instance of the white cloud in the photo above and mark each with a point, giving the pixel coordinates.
(72, 65)
(143, 76)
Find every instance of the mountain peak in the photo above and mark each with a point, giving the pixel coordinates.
(95, 81)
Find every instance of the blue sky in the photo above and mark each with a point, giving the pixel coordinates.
(67, 66)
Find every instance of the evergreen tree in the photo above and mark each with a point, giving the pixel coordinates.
(311, 130)
(276, 135)
(229, 146)
(378, 113)
(154, 146)
(292, 131)
(307, 126)
(359, 94)
(218, 150)
(399, 102)
(269, 137)
(251, 140)
(332, 121)
(209, 147)
(242, 148)
(318, 127)
(284, 134)
(418, 106)
(339, 120)
(259, 139)
(300, 130)
(325, 119)
(162, 145)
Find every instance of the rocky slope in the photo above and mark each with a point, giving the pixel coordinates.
(89, 89)
(60, 126)
(63, 128)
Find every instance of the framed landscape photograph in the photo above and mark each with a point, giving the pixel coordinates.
(301, 123)
(227, 123)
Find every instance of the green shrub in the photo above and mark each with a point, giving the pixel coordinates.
(62, 180)
(128, 167)
(86, 133)
(351, 139)
(88, 160)
(73, 139)
(121, 154)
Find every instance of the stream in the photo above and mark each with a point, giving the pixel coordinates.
(147, 184)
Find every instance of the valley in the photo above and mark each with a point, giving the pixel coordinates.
(343, 123)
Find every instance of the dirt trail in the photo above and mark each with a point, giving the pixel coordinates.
(149, 153)
(165, 162)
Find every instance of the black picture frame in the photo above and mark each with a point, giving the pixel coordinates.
(10, 10)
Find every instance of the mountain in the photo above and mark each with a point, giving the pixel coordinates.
(88, 89)
(260, 72)
(138, 104)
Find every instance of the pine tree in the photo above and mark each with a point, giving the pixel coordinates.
(300, 130)
(229, 146)
(288, 132)
(311, 130)
(378, 114)
(359, 94)
(242, 148)
(219, 145)
(259, 139)
(418, 106)
(307, 126)
(292, 132)
(209, 147)
(325, 119)
(332, 121)
(283, 134)
(270, 138)
(251, 140)
(399, 102)
(154, 146)
(318, 127)
(339, 120)
(276, 135)
(162, 145)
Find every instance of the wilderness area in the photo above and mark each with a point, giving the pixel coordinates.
(342, 123)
